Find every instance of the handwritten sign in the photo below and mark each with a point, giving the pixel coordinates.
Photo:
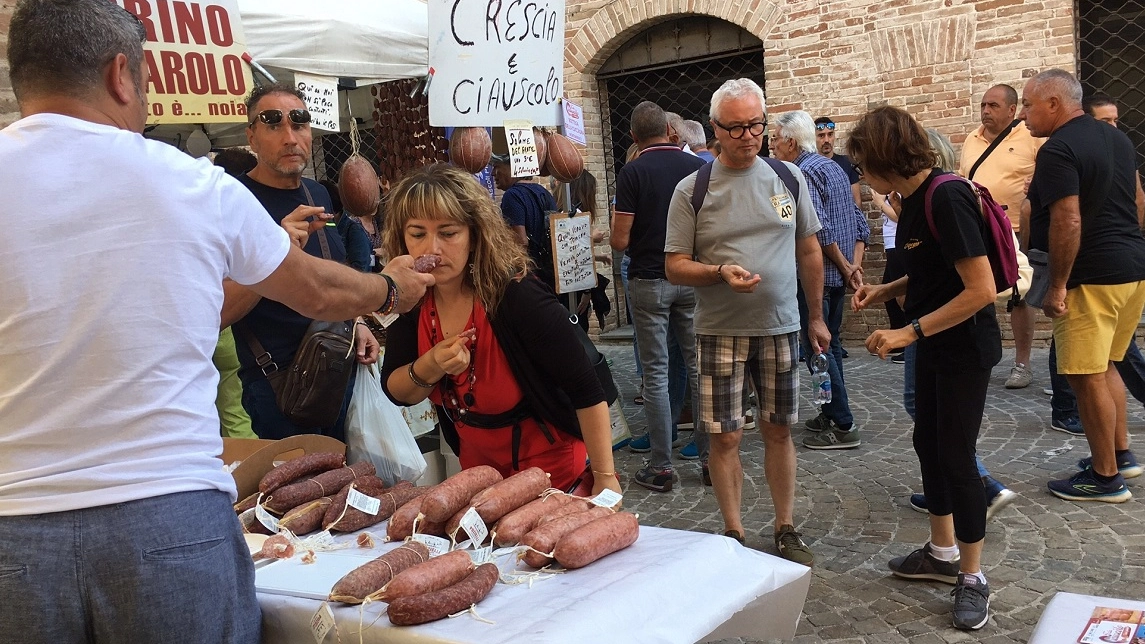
(574, 122)
(572, 252)
(194, 56)
(321, 99)
(522, 148)
(496, 60)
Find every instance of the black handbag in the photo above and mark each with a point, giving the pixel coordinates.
(599, 362)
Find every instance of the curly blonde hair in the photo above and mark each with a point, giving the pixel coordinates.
(442, 191)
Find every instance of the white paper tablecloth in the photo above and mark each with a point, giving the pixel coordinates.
(669, 587)
(1067, 615)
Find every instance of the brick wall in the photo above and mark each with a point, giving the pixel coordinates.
(934, 58)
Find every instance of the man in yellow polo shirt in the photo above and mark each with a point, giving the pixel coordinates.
(1004, 169)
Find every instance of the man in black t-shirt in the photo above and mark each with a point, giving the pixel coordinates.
(524, 205)
(1083, 211)
(279, 133)
(825, 141)
(644, 190)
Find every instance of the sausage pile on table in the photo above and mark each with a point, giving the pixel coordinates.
(320, 492)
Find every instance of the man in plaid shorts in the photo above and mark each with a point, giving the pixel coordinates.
(747, 327)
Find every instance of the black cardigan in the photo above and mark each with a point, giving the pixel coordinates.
(542, 348)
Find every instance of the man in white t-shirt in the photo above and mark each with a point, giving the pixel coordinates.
(115, 511)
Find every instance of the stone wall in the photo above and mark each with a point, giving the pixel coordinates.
(8, 110)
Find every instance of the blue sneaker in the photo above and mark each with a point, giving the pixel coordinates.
(641, 444)
(690, 452)
(918, 503)
(1084, 486)
(1071, 426)
(1126, 465)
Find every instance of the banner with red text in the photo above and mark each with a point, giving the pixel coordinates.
(194, 56)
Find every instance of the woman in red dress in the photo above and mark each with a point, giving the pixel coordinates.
(490, 344)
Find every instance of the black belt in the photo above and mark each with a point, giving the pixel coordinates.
(514, 417)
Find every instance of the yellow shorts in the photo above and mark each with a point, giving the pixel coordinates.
(1099, 323)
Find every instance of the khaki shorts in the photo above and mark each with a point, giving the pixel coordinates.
(1099, 323)
(726, 362)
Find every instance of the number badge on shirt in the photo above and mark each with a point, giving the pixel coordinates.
(783, 206)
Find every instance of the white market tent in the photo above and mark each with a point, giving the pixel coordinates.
(370, 41)
(361, 41)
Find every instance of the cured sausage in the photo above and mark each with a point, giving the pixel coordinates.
(594, 540)
(366, 579)
(502, 498)
(325, 484)
(435, 574)
(294, 469)
(401, 522)
(349, 518)
(544, 538)
(514, 526)
(306, 518)
(576, 504)
(452, 494)
(428, 607)
(246, 504)
(426, 263)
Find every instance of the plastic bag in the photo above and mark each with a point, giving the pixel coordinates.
(620, 433)
(376, 431)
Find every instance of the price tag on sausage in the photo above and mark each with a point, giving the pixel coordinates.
(365, 503)
(481, 555)
(474, 526)
(266, 518)
(321, 623)
(607, 498)
(436, 545)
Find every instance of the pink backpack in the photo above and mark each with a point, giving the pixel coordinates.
(1000, 242)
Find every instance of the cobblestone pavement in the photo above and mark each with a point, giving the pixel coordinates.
(851, 508)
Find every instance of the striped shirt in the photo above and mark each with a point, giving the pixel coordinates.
(843, 223)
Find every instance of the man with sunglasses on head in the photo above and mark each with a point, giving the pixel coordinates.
(116, 523)
(278, 132)
(732, 222)
(825, 141)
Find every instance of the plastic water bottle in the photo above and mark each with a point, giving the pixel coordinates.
(820, 381)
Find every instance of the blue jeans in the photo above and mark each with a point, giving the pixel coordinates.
(624, 263)
(661, 309)
(172, 568)
(270, 423)
(677, 373)
(908, 401)
(1063, 404)
(839, 409)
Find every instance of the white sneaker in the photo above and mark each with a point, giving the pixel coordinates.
(1020, 377)
(1048, 391)
(1000, 500)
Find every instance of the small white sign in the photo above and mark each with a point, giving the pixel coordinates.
(607, 498)
(522, 148)
(474, 526)
(322, 622)
(265, 518)
(321, 99)
(436, 545)
(574, 122)
(363, 502)
(572, 252)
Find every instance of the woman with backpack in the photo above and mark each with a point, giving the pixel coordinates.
(490, 344)
(950, 290)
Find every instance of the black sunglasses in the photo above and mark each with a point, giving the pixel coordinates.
(274, 117)
(825, 126)
(737, 131)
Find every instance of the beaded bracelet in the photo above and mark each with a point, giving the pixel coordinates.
(391, 302)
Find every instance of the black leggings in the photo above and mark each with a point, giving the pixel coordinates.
(948, 416)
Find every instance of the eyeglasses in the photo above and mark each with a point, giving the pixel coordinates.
(737, 131)
(274, 117)
(830, 127)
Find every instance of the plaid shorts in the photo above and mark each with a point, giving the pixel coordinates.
(724, 361)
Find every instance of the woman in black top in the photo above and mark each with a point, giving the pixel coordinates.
(950, 293)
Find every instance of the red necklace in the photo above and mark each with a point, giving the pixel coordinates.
(448, 385)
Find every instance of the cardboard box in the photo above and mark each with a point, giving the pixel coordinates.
(260, 456)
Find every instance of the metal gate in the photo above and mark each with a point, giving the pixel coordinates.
(1111, 59)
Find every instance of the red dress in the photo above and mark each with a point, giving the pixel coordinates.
(491, 388)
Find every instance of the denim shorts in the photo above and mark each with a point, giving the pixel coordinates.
(173, 568)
